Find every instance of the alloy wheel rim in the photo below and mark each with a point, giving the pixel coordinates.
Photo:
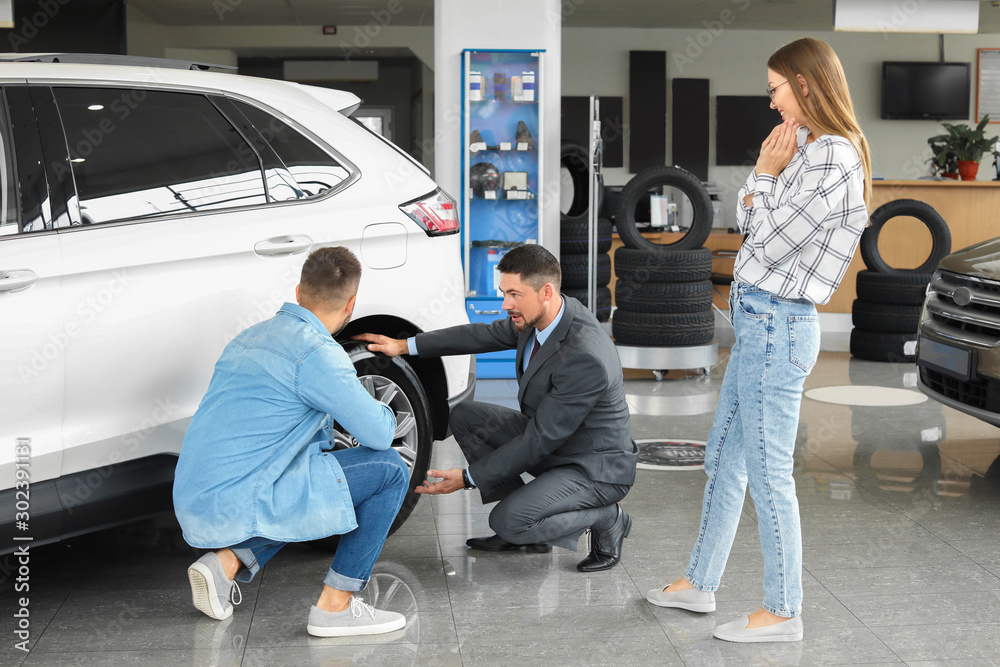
(407, 436)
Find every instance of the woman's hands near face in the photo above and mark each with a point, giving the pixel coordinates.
(778, 149)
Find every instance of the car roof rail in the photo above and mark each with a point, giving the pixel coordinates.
(110, 59)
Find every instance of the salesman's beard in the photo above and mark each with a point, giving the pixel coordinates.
(526, 324)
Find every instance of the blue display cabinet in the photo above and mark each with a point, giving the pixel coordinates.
(501, 194)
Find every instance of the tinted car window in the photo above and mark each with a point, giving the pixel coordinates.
(32, 186)
(138, 153)
(8, 207)
(313, 170)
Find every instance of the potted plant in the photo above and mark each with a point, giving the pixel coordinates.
(944, 162)
(967, 146)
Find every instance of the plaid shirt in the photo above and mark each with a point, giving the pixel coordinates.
(804, 226)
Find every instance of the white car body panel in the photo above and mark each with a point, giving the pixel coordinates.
(152, 303)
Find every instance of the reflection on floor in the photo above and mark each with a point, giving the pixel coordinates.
(901, 551)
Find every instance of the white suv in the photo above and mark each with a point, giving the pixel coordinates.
(149, 212)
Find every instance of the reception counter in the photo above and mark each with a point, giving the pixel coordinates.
(971, 209)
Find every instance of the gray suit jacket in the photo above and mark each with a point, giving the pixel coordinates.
(572, 393)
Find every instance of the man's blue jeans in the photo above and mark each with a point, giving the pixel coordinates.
(753, 440)
(378, 481)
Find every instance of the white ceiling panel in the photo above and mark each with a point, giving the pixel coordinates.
(804, 15)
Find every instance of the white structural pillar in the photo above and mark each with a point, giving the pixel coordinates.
(497, 24)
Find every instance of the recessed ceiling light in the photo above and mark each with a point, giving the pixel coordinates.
(79, 159)
(95, 107)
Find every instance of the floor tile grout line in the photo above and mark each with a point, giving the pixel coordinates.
(447, 584)
(253, 612)
(642, 599)
(851, 612)
(42, 634)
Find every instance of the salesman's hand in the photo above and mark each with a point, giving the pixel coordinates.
(391, 347)
(451, 481)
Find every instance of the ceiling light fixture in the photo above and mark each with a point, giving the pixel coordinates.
(910, 16)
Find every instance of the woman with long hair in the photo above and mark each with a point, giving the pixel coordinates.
(802, 210)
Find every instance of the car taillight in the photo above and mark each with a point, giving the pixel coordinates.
(436, 213)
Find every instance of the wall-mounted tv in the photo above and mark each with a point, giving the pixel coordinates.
(926, 90)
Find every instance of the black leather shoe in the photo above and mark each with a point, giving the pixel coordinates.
(606, 545)
(497, 543)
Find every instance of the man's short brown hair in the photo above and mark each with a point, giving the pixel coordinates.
(535, 264)
(330, 275)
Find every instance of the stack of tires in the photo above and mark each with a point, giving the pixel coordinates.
(663, 295)
(886, 313)
(574, 236)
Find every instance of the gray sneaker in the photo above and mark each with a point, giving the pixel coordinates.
(358, 619)
(737, 631)
(211, 591)
(691, 599)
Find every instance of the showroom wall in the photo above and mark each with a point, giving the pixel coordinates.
(735, 62)
(596, 59)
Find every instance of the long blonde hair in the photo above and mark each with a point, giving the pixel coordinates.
(828, 109)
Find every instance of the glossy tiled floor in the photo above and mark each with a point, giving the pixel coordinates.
(901, 552)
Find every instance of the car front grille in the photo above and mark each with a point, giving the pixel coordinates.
(981, 393)
(964, 308)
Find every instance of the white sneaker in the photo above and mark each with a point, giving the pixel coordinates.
(358, 619)
(211, 591)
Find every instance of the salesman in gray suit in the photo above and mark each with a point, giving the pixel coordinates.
(571, 434)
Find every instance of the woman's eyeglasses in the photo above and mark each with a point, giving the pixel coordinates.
(770, 91)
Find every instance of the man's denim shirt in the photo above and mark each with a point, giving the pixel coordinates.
(252, 462)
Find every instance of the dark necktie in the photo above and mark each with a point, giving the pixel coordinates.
(534, 350)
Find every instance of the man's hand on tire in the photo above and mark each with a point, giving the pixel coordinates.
(391, 347)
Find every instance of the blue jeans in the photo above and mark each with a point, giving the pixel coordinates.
(753, 440)
(378, 481)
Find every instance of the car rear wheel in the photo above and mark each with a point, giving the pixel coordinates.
(392, 381)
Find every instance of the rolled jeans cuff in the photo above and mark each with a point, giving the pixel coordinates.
(341, 583)
(250, 565)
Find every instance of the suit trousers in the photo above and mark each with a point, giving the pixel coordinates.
(557, 506)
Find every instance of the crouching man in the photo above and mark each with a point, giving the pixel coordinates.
(255, 471)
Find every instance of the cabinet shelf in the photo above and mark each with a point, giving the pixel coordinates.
(492, 162)
(495, 149)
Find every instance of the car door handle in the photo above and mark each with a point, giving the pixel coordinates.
(283, 245)
(15, 281)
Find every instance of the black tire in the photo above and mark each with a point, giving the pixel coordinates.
(881, 346)
(684, 181)
(574, 237)
(676, 266)
(576, 160)
(885, 317)
(574, 270)
(603, 301)
(664, 297)
(414, 432)
(925, 213)
(903, 289)
(663, 330)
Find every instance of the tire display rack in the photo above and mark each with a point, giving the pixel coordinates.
(664, 317)
(574, 234)
(886, 314)
(502, 196)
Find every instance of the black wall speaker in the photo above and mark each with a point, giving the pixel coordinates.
(575, 113)
(647, 109)
(689, 139)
